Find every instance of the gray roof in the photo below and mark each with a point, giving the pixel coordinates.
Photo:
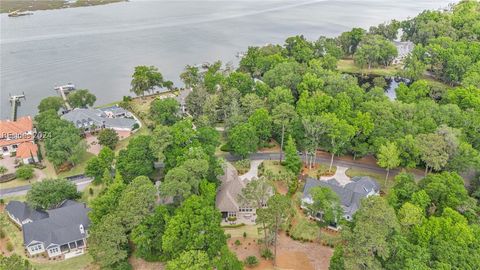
(60, 227)
(114, 109)
(23, 212)
(86, 117)
(350, 195)
(231, 187)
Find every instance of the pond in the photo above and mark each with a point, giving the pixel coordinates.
(391, 83)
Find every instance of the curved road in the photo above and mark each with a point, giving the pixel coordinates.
(80, 180)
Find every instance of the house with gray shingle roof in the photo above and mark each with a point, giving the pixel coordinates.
(59, 232)
(350, 194)
(228, 194)
(112, 117)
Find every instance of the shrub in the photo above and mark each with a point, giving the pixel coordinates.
(24, 172)
(2, 201)
(225, 148)
(237, 242)
(90, 191)
(251, 261)
(267, 254)
(135, 126)
(9, 246)
(244, 234)
(232, 218)
(2, 233)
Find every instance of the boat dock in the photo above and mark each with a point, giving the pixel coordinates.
(63, 90)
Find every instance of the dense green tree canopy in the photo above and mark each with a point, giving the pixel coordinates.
(50, 193)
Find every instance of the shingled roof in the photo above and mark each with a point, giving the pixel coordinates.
(350, 195)
(60, 227)
(231, 187)
(22, 211)
(83, 118)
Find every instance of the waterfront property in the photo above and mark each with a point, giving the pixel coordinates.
(350, 194)
(404, 49)
(91, 119)
(17, 139)
(55, 233)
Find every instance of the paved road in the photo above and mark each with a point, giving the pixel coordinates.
(81, 181)
(320, 159)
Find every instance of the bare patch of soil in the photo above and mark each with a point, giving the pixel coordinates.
(140, 264)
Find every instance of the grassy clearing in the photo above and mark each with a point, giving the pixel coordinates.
(377, 176)
(13, 233)
(80, 262)
(348, 66)
(87, 197)
(79, 167)
(305, 230)
(16, 183)
(108, 105)
(251, 230)
(274, 167)
(15, 198)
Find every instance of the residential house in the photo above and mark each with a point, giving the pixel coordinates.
(404, 48)
(91, 119)
(57, 233)
(350, 195)
(227, 199)
(17, 138)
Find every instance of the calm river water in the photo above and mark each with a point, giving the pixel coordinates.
(98, 47)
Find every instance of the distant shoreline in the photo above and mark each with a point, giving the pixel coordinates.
(7, 6)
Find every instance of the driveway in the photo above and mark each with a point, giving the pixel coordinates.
(339, 175)
(253, 172)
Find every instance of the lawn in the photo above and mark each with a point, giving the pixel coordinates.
(79, 168)
(348, 66)
(87, 197)
(274, 166)
(380, 177)
(251, 230)
(80, 262)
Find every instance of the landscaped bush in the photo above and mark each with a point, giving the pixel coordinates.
(251, 261)
(24, 172)
(231, 218)
(225, 148)
(267, 254)
(242, 166)
(2, 233)
(237, 242)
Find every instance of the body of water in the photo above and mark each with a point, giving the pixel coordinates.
(98, 47)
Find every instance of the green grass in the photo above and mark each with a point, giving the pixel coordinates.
(86, 197)
(251, 230)
(108, 104)
(79, 168)
(13, 233)
(348, 66)
(15, 198)
(380, 177)
(79, 262)
(16, 183)
(305, 230)
(274, 166)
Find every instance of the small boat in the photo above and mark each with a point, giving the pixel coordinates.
(18, 13)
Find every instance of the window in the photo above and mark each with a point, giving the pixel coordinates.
(54, 250)
(5, 149)
(15, 146)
